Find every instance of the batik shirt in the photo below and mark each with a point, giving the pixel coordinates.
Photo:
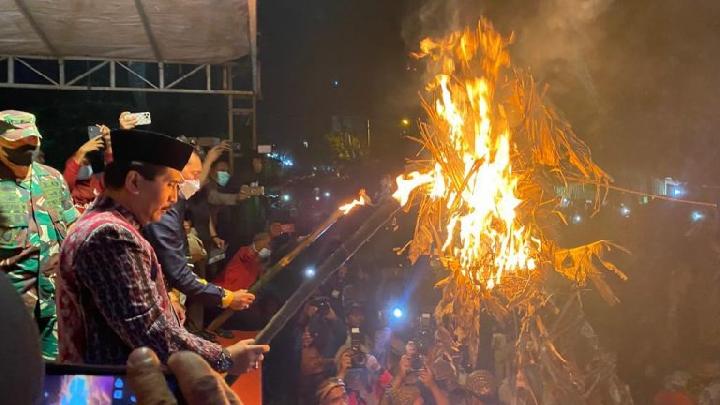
(36, 212)
(111, 294)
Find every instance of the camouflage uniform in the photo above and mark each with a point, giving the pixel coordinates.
(34, 216)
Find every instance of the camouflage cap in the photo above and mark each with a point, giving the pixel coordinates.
(15, 125)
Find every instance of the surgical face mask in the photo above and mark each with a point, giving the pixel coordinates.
(222, 178)
(264, 253)
(188, 188)
(84, 173)
(21, 156)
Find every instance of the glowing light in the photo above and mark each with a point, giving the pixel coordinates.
(309, 272)
(317, 198)
(286, 197)
(625, 211)
(697, 216)
(327, 194)
(397, 313)
(405, 122)
(576, 219)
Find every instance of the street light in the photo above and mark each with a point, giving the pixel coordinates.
(405, 122)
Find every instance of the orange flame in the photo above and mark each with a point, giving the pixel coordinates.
(363, 199)
(471, 176)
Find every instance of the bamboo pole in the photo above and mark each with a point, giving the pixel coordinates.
(271, 272)
(341, 255)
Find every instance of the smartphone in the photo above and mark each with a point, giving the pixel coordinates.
(89, 384)
(93, 131)
(143, 118)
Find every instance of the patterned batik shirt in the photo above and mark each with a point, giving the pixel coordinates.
(111, 295)
(35, 213)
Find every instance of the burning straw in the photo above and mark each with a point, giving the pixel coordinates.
(492, 149)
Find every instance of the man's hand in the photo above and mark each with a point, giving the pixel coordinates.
(241, 300)
(246, 356)
(372, 363)
(219, 243)
(179, 310)
(198, 383)
(127, 120)
(216, 151)
(12, 260)
(105, 133)
(242, 195)
(331, 315)
(89, 146)
(345, 363)
(426, 377)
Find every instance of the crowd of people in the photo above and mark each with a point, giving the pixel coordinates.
(110, 255)
(355, 348)
(144, 238)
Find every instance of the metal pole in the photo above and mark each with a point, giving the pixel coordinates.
(11, 69)
(254, 123)
(368, 134)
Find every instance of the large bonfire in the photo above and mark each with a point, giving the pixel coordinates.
(492, 150)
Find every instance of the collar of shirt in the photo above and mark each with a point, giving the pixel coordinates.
(105, 203)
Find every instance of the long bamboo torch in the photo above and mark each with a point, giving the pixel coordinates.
(273, 270)
(341, 255)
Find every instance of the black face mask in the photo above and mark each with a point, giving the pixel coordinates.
(21, 156)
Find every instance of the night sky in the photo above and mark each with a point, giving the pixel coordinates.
(638, 80)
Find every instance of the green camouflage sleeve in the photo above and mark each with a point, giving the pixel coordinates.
(70, 214)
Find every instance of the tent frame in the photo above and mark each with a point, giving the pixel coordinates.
(52, 76)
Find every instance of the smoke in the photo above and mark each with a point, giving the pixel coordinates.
(634, 78)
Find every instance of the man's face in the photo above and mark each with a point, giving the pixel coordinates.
(18, 153)
(155, 197)
(355, 318)
(193, 168)
(220, 167)
(337, 396)
(262, 243)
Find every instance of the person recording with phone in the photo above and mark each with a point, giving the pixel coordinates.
(414, 381)
(83, 169)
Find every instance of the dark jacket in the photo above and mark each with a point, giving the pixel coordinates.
(169, 241)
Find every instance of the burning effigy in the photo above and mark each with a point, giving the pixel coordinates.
(492, 148)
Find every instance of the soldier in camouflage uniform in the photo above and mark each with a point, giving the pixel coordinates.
(35, 212)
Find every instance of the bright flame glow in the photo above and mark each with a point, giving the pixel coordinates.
(363, 199)
(471, 175)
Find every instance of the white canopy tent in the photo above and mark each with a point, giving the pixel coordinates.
(164, 37)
